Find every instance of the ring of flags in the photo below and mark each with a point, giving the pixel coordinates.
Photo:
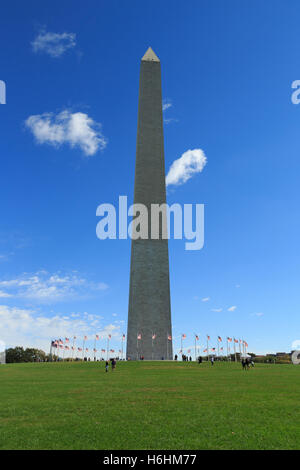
(60, 344)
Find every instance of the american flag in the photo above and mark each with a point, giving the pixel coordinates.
(97, 336)
(102, 350)
(204, 350)
(85, 338)
(235, 340)
(73, 348)
(188, 351)
(111, 350)
(221, 349)
(213, 349)
(86, 349)
(153, 336)
(66, 340)
(229, 339)
(74, 337)
(67, 347)
(123, 336)
(208, 337)
(170, 338)
(246, 344)
(219, 339)
(61, 346)
(95, 350)
(79, 349)
(109, 336)
(60, 341)
(197, 337)
(183, 336)
(139, 336)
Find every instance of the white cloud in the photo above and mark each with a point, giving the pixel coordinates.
(54, 44)
(4, 294)
(259, 314)
(182, 169)
(237, 286)
(205, 299)
(75, 129)
(101, 286)
(296, 344)
(45, 287)
(216, 309)
(166, 104)
(232, 309)
(169, 120)
(28, 328)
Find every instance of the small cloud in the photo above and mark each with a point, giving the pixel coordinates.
(296, 344)
(205, 299)
(53, 44)
(114, 315)
(237, 286)
(101, 286)
(169, 120)
(75, 129)
(259, 314)
(216, 309)
(166, 104)
(182, 169)
(4, 294)
(232, 309)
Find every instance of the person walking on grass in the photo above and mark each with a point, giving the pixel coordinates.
(212, 360)
(113, 364)
(106, 366)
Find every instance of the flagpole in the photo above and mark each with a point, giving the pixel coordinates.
(152, 346)
(83, 343)
(122, 348)
(73, 348)
(50, 353)
(195, 349)
(207, 348)
(167, 346)
(234, 350)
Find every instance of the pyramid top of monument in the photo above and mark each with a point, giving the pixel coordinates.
(150, 56)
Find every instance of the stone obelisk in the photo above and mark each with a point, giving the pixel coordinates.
(149, 331)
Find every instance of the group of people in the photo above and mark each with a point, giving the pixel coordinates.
(113, 365)
(184, 357)
(246, 363)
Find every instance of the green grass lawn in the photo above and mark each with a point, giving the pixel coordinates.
(149, 405)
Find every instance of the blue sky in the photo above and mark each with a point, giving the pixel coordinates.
(227, 70)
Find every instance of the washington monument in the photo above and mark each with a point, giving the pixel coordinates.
(149, 314)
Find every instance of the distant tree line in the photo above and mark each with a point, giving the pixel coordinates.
(19, 354)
